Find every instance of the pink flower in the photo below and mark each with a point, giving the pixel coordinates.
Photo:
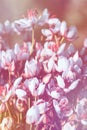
(46, 78)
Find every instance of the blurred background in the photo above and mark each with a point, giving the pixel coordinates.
(74, 12)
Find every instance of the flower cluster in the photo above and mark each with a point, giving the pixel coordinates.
(40, 79)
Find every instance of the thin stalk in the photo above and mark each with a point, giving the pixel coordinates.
(29, 103)
(7, 106)
(35, 99)
(62, 39)
(20, 116)
(30, 126)
(9, 78)
(0, 117)
(33, 41)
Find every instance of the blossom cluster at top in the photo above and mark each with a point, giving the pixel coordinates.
(39, 79)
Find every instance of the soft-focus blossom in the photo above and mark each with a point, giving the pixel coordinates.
(31, 68)
(85, 43)
(42, 106)
(7, 59)
(22, 53)
(20, 93)
(63, 28)
(62, 107)
(32, 115)
(35, 87)
(69, 126)
(81, 110)
(63, 64)
(54, 25)
(72, 33)
(60, 81)
(7, 123)
(43, 18)
(2, 107)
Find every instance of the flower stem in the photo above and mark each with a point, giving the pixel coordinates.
(61, 40)
(7, 106)
(29, 103)
(33, 41)
(0, 117)
(20, 116)
(30, 126)
(9, 78)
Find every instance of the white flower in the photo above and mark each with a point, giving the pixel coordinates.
(46, 78)
(63, 64)
(16, 49)
(56, 107)
(60, 81)
(73, 85)
(17, 82)
(71, 49)
(63, 28)
(47, 33)
(61, 48)
(72, 33)
(54, 25)
(32, 115)
(77, 59)
(54, 94)
(43, 18)
(35, 87)
(42, 106)
(68, 126)
(49, 65)
(41, 88)
(7, 123)
(20, 93)
(30, 68)
(7, 57)
(85, 43)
